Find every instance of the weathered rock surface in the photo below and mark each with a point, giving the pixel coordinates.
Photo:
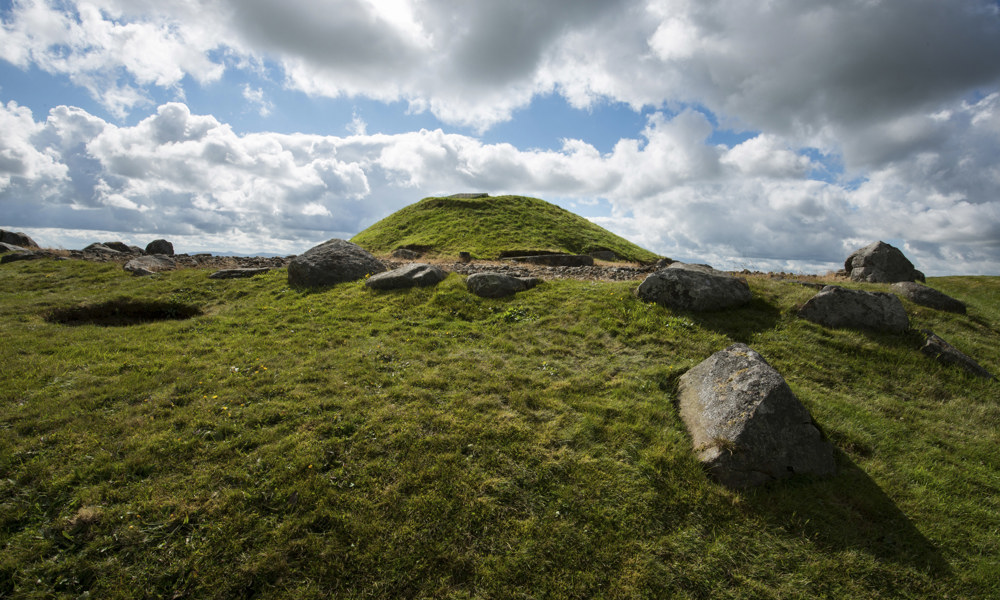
(880, 263)
(17, 238)
(838, 307)
(238, 273)
(694, 287)
(945, 353)
(160, 247)
(332, 262)
(147, 265)
(605, 255)
(746, 425)
(98, 248)
(120, 247)
(405, 254)
(5, 247)
(10, 257)
(413, 275)
(558, 260)
(498, 285)
(923, 295)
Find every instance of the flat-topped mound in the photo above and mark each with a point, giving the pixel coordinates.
(494, 227)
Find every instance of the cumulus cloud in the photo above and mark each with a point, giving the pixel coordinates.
(903, 95)
(751, 205)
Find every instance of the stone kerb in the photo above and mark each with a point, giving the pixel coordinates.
(746, 425)
(412, 275)
(694, 287)
(332, 262)
(498, 285)
(928, 296)
(838, 307)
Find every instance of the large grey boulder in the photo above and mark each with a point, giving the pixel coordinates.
(16, 238)
(147, 265)
(160, 247)
(746, 425)
(946, 354)
(880, 263)
(332, 262)
(412, 275)
(923, 295)
(498, 285)
(694, 287)
(838, 307)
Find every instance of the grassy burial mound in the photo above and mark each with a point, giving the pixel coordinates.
(267, 442)
(493, 227)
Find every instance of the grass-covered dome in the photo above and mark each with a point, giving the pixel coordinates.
(492, 227)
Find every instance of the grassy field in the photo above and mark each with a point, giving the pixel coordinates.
(268, 442)
(486, 227)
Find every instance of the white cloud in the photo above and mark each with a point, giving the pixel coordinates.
(752, 205)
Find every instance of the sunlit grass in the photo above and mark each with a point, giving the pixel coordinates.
(430, 443)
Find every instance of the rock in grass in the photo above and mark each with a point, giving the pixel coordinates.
(413, 275)
(923, 295)
(880, 263)
(147, 265)
(332, 262)
(238, 273)
(945, 353)
(746, 425)
(26, 255)
(694, 287)
(16, 238)
(498, 285)
(838, 307)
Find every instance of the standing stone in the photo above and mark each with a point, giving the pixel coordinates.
(160, 247)
(498, 285)
(332, 262)
(838, 307)
(412, 275)
(880, 263)
(923, 295)
(17, 239)
(746, 425)
(694, 287)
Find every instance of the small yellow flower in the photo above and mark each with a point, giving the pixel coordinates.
(214, 397)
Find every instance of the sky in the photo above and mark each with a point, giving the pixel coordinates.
(774, 135)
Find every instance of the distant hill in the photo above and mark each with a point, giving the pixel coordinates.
(493, 227)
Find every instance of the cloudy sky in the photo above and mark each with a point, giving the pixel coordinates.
(765, 135)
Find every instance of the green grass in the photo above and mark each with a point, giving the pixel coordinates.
(429, 443)
(487, 227)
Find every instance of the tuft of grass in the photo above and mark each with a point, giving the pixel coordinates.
(347, 443)
(490, 227)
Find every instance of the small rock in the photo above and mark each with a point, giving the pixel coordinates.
(405, 254)
(498, 285)
(928, 296)
(238, 273)
(412, 275)
(147, 265)
(746, 425)
(945, 353)
(838, 307)
(558, 260)
(464, 257)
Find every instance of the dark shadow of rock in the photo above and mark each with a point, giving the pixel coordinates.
(121, 313)
(847, 512)
(739, 324)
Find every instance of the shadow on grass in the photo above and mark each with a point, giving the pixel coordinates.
(847, 512)
(122, 313)
(739, 324)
